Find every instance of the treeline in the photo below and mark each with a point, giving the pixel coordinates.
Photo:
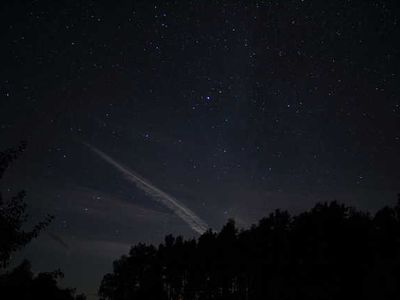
(330, 252)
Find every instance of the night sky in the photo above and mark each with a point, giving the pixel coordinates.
(234, 108)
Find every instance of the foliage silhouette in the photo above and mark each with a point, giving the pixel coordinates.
(329, 252)
(13, 216)
(20, 283)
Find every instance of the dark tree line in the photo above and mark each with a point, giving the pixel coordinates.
(20, 283)
(330, 252)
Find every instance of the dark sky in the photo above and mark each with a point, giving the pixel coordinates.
(233, 107)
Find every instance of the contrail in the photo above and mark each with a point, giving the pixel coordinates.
(169, 201)
(58, 239)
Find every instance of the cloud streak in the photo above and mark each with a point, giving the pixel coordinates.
(58, 239)
(188, 216)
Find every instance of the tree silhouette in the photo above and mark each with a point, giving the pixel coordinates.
(329, 252)
(20, 283)
(13, 216)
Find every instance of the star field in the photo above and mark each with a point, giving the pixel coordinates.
(236, 108)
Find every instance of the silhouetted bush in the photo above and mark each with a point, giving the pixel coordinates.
(22, 284)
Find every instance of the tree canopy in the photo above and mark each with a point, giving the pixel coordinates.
(329, 252)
